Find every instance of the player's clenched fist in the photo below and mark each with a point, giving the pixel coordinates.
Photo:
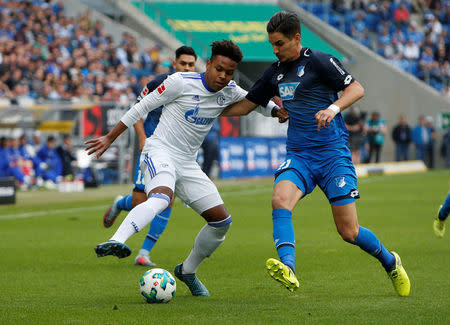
(282, 115)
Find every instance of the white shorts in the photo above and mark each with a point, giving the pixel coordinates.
(184, 177)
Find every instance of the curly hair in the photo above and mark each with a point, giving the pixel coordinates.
(226, 48)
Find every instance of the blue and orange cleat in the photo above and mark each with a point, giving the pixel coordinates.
(143, 260)
(112, 213)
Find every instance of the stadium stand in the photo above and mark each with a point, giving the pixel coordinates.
(411, 34)
(48, 56)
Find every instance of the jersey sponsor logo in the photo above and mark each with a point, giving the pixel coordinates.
(287, 91)
(301, 71)
(144, 91)
(192, 117)
(196, 98)
(221, 100)
(338, 68)
(340, 181)
(280, 76)
(161, 89)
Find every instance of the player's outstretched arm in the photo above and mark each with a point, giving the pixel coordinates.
(351, 94)
(100, 144)
(246, 106)
(243, 107)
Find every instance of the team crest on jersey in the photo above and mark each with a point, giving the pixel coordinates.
(301, 71)
(280, 76)
(192, 117)
(340, 181)
(196, 98)
(287, 91)
(221, 100)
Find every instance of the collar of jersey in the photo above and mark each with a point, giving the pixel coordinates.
(303, 50)
(205, 84)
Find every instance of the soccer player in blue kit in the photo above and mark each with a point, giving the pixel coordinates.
(185, 59)
(308, 82)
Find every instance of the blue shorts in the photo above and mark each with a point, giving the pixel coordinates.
(329, 168)
(139, 185)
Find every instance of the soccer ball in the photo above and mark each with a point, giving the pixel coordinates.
(157, 285)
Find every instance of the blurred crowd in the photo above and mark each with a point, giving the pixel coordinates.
(414, 35)
(35, 163)
(46, 55)
(367, 136)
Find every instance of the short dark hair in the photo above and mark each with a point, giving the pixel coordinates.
(226, 48)
(185, 50)
(286, 23)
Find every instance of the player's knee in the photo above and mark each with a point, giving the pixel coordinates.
(163, 190)
(216, 214)
(158, 202)
(280, 201)
(348, 234)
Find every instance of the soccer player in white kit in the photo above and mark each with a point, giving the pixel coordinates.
(192, 102)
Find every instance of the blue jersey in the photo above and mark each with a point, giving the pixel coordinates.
(306, 86)
(152, 119)
(150, 124)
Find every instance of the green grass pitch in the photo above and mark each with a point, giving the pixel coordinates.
(49, 273)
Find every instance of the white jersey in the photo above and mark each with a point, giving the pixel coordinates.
(190, 109)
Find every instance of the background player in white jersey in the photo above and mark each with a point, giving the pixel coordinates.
(192, 102)
(185, 59)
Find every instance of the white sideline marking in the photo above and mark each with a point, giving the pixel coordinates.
(50, 212)
(101, 207)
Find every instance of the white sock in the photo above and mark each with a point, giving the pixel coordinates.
(206, 242)
(139, 217)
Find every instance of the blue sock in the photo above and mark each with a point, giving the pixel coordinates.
(125, 203)
(283, 235)
(445, 210)
(369, 243)
(157, 227)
